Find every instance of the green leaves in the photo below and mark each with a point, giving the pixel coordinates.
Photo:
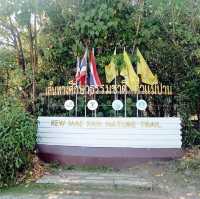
(17, 139)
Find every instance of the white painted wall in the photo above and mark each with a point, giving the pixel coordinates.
(110, 132)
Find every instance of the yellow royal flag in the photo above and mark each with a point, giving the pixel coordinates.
(143, 69)
(110, 69)
(131, 78)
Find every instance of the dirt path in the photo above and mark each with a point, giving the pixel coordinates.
(153, 180)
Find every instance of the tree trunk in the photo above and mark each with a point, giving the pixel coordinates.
(35, 39)
(21, 54)
(18, 45)
(32, 59)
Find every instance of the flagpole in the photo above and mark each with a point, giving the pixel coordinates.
(115, 93)
(76, 109)
(94, 95)
(137, 111)
(125, 112)
(136, 106)
(69, 110)
(115, 85)
(85, 102)
(95, 111)
(137, 96)
(85, 88)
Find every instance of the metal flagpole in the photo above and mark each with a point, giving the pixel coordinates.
(136, 106)
(125, 113)
(69, 110)
(85, 87)
(115, 93)
(76, 110)
(85, 102)
(95, 111)
(115, 88)
(94, 96)
(137, 111)
(115, 83)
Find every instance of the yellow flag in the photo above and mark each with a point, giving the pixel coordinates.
(144, 70)
(131, 78)
(111, 71)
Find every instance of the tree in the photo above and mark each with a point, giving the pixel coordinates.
(18, 26)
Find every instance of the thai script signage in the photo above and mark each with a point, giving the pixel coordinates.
(157, 89)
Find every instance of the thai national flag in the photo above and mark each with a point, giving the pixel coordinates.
(94, 77)
(83, 70)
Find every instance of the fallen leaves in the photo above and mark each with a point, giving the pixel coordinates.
(37, 171)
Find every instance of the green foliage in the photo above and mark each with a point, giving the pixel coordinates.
(17, 140)
(166, 32)
(190, 136)
(7, 64)
(189, 105)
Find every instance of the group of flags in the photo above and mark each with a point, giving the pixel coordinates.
(81, 77)
(127, 71)
(131, 77)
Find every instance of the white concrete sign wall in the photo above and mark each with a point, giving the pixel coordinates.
(110, 132)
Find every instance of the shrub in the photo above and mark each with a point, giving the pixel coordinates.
(17, 140)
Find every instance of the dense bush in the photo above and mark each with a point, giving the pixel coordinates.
(190, 135)
(189, 106)
(17, 140)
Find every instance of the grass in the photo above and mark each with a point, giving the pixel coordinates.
(47, 189)
(30, 188)
(190, 163)
(193, 166)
